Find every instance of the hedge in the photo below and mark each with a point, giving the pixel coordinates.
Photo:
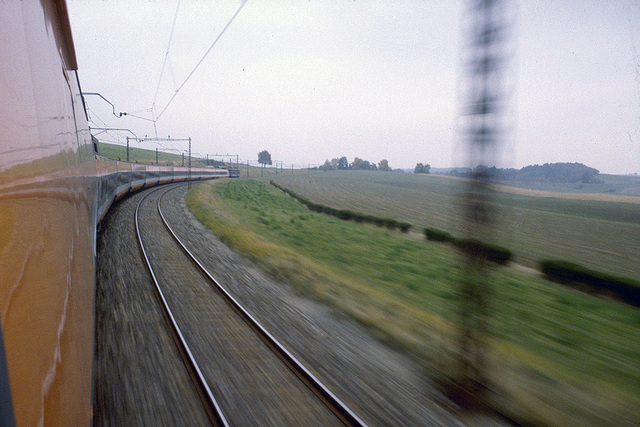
(344, 214)
(573, 274)
(493, 253)
(436, 235)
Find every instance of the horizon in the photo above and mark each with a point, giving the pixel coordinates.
(372, 80)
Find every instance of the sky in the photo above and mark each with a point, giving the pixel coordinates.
(310, 80)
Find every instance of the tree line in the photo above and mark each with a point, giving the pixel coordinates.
(548, 172)
(358, 164)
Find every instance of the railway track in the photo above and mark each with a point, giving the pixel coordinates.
(245, 376)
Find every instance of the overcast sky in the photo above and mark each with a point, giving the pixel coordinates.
(310, 80)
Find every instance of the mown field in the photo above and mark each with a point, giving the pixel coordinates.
(601, 235)
(556, 356)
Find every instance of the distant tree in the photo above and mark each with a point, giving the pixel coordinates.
(343, 163)
(357, 164)
(384, 165)
(420, 168)
(366, 165)
(326, 166)
(264, 158)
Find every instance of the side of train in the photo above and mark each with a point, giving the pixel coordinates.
(54, 189)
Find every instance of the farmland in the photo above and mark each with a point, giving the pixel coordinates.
(601, 234)
(557, 356)
(147, 156)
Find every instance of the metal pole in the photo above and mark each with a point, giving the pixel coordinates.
(482, 121)
(156, 155)
(247, 168)
(127, 149)
(189, 184)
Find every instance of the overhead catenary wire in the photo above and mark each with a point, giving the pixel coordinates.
(201, 59)
(166, 55)
(92, 115)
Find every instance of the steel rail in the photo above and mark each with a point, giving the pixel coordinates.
(213, 409)
(346, 415)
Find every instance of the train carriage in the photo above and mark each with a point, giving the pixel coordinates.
(54, 189)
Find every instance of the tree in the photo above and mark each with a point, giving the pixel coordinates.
(384, 165)
(369, 166)
(357, 164)
(343, 163)
(264, 158)
(326, 166)
(420, 168)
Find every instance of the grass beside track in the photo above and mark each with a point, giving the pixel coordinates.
(557, 356)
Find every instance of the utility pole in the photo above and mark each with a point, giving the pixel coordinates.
(487, 26)
(189, 182)
(156, 155)
(247, 168)
(127, 149)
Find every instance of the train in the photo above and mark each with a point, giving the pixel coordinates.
(54, 191)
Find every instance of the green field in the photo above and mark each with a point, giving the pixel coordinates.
(557, 356)
(601, 235)
(137, 154)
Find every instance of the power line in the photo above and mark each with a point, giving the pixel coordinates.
(202, 59)
(166, 55)
(93, 114)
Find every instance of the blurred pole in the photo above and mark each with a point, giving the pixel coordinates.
(485, 54)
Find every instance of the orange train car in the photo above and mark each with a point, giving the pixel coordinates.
(54, 189)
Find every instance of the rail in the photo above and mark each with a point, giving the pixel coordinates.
(213, 409)
(346, 415)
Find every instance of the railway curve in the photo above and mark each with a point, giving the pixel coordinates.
(384, 387)
(381, 385)
(251, 384)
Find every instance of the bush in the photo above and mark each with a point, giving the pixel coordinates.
(404, 226)
(345, 215)
(492, 253)
(436, 235)
(570, 273)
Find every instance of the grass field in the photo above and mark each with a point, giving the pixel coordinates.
(601, 235)
(137, 154)
(143, 155)
(610, 184)
(557, 356)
